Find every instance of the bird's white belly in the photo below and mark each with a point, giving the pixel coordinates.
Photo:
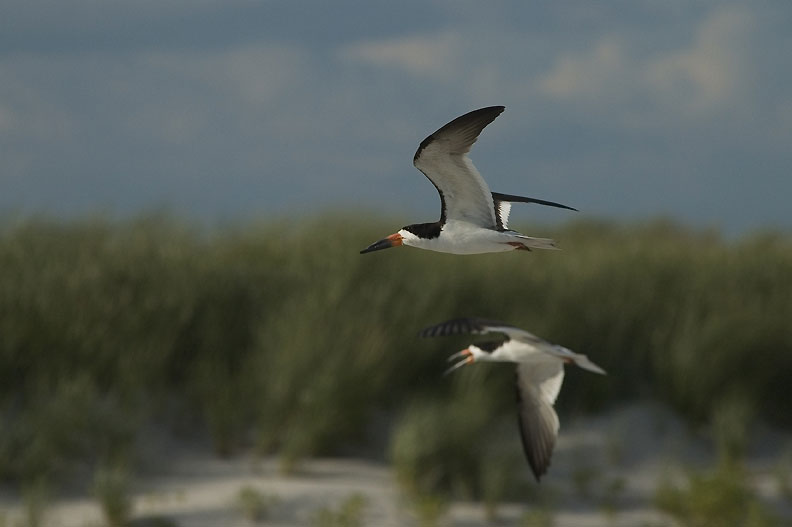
(459, 237)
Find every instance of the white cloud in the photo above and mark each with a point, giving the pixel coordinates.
(711, 71)
(258, 73)
(170, 95)
(187, 110)
(7, 120)
(699, 77)
(28, 109)
(434, 56)
(594, 73)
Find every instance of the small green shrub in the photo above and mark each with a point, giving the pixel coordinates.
(429, 509)
(538, 517)
(783, 474)
(442, 446)
(155, 521)
(348, 514)
(111, 488)
(500, 472)
(35, 496)
(255, 505)
(611, 496)
(730, 425)
(714, 498)
(585, 475)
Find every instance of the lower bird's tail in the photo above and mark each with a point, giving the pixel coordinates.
(586, 364)
(578, 358)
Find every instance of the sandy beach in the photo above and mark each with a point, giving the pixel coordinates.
(605, 472)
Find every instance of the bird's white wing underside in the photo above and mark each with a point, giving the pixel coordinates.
(546, 373)
(538, 384)
(443, 158)
(466, 194)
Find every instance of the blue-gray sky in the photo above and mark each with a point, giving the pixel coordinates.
(228, 109)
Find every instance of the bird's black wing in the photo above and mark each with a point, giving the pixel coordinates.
(511, 198)
(465, 326)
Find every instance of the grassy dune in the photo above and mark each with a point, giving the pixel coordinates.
(301, 346)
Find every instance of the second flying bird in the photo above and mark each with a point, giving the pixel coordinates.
(472, 218)
(540, 372)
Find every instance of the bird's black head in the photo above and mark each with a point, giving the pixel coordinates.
(490, 346)
(426, 231)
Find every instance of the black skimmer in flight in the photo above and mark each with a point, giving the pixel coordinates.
(472, 219)
(540, 372)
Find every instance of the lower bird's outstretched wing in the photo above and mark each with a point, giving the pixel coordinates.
(479, 326)
(538, 384)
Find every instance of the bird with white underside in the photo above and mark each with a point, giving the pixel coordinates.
(540, 373)
(473, 219)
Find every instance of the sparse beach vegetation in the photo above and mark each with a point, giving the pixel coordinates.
(283, 338)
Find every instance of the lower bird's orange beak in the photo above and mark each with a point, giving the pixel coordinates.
(394, 240)
(468, 359)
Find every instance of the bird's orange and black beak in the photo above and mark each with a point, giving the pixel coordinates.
(467, 358)
(394, 240)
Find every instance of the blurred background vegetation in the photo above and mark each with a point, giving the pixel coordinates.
(283, 338)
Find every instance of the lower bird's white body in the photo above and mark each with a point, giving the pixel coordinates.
(462, 237)
(516, 351)
(532, 353)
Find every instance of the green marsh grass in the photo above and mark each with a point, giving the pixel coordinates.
(294, 343)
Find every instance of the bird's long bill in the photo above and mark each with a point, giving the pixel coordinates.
(394, 240)
(467, 359)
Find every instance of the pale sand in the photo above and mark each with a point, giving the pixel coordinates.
(631, 448)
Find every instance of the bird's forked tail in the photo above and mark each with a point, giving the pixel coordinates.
(536, 243)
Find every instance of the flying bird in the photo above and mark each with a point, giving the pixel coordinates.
(540, 372)
(472, 218)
